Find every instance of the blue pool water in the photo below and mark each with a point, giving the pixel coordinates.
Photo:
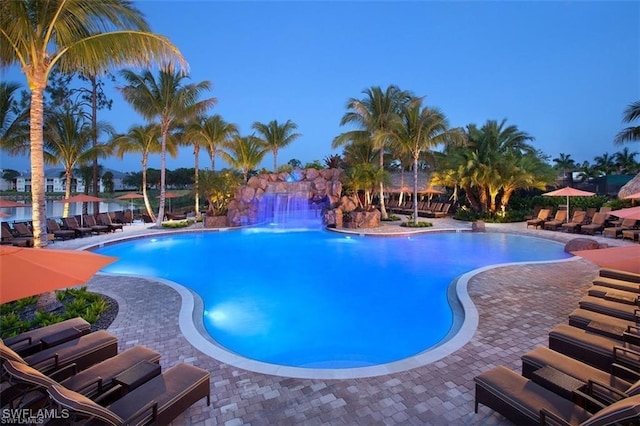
(318, 299)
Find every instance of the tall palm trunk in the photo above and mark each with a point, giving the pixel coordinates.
(147, 204)
(196, 186)
(415, 189)
(383, 210)
(94, 138)
(163, 172)
(67, 192)
(38, 183)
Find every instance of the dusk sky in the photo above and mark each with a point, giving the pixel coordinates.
(562, 71)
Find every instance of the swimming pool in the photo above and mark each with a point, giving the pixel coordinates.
(321, 300)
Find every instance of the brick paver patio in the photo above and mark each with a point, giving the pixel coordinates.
(517, 307)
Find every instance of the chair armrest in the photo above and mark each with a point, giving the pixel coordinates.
(630, 337)
(69, 370)
(109, 396)
(588, 400)
(594, 385)
(28, 338)
(546, 416)
(153, 405)
(55, 357)
(616, 369)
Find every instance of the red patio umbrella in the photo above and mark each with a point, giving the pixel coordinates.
(170, 195)
(28, 271)
(10, 204)
(130, 196)
(567, 191)
(629, 213)
(635, 196)
(624, 258)
(81, 198)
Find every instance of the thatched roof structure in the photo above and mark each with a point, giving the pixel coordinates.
(631, 187)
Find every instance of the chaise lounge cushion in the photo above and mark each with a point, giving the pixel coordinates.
(620, 275)
(614, 309)
(614, 295)
(31, 340)
(520, 400)
(583, 318)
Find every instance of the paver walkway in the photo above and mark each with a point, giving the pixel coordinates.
(517, 307)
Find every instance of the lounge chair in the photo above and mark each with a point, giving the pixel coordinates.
(558, 220)
(576, 222)
(58, 233)
(599, 323)
(7, 237)
(32, 341)
(624, 311)
(525, 402)
(72, 223)
(538, 222)
(158, 401)
(631, 234)
(22, 230)
(544, 357)
(93, 382)
(90, 221)
(596, 350)
(616, 231)
(617, 284)
(105, 219)
(619, 275)
(84, 351)
(596, 225)
(614, 295)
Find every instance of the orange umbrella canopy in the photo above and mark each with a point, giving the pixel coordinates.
(81, 198)
(567, 191)
(130, 196)
(625, 258)
(630, 213)
(10, 204)
(26, 272)
(635, 196)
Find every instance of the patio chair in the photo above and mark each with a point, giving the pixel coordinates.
(7, 237)
(619, 275)
(617, 284)
(624, 311)
(543, 216)
(558, 220)
(28, 385)
(596, 225)
(616, 231)
(631, 234)
(599, 323)
(84, 351)
(525, 402)
(105, 220)
(90, 221)
(576, 222)
(610, 386)
(596, 350)
(158, 401)
(22, 230)
(58, 233)
(72, 223)
(613, 294)
(31, 341)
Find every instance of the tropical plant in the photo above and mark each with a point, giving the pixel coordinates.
(219, 188)
(632, 133)
(374, 115)
(276, 136)
(626, 161)
(87, 35)
(169, 101)
(605, 163)
(244, 153)
(567, 165)
(419, 129)
(14, 123)
(144, 140)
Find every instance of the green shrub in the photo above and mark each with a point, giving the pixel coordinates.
(420, 224)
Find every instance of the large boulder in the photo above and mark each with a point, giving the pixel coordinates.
(578, 244)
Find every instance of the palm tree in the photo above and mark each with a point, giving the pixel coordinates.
(420, 129)
(244, 153)
(168, 100)
(67, 141)
(72, 35)
(626, 161)
(276, 136)
(144, 140)
(605, 163)
(565, 163)
(375, 115)
(630, 134)
(13, 122)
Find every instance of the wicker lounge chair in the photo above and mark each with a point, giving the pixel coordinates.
(558, 220)
(538, 222)
(599, 323)
(616, 231)
(31, 341)
(624, 311)
(542, 357)
(596, 350)
(83, 351)
(525, 402)
(90, 221)
(619, 275)
(72, 223)
(7, 237)
(29, 384)
(596, 225)
(58, 233)
(617, 284)
(105, 219)
(158, 401)
(576, 222)
(614, 294)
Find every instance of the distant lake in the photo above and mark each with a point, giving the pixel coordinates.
(54, 209)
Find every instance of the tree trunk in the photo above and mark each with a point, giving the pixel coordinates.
(163, 173)
(415, 189)
(147, 204)
(196, 186)
(383, 210)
